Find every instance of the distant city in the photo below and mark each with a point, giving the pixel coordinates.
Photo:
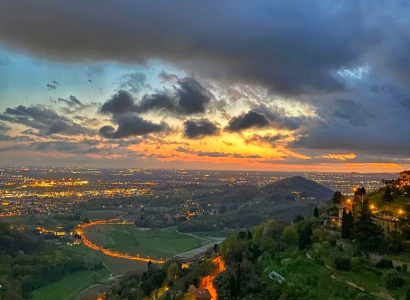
(27, 190)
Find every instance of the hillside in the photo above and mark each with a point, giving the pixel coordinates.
(299, 188)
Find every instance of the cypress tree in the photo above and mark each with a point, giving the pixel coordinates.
(305, 231)
(347, 224)
(316, 212)
(367, 234)
(337, 198)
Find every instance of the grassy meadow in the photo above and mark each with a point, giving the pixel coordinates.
(70, 286)
(158, 243)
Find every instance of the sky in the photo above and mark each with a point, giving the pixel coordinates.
(253, 85)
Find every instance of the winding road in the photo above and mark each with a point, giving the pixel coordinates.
(108, 252)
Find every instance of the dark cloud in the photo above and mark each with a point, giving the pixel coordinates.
(236, 155)
(76, 148)
(355, 113)
(45, 120)
(251, 119)
(185, 150)
(213, 154)
(74, 105)
(155, 102)
(285, 45)
(4, 127)
(191, 96)
(165, 77)
(8, 138)
(269, 139)
(130, 125)
(368, 119)
(120, 103)
(51, 86)
(71, 102)
(195, 129)
(276, 119)
(188, 97)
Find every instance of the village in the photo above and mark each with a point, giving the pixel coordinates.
(389, 206)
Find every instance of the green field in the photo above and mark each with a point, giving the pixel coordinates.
(70, 286)
(160, 243)
(116, 266)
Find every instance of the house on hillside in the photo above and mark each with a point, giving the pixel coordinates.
(388, 222)
(202, 294)
(405, 175)
(404, 179)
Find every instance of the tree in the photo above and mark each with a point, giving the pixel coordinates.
(388, 194)
(347, 224)
(257, 234)
(316, 212)
(304, 232)
(92, 260)
(342, 264)
(367, 234)
(360, 191)
(298, 219)
(272, 230)
(337, 198)
(408, 295)
(290, 236)
(173, 270)
(395, 242)
(393, 279)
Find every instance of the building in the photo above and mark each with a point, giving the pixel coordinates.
(202, 294)
(404, 179)
(405, 175)
(386, 221)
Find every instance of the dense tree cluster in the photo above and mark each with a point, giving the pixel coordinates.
(28, 263)
(367, 234)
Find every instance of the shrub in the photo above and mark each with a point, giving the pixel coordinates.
(393, 279)
(319, 261)
(342, 264)
(290, 236)
(363, 296)
(355, 264)
(332, 241)
(385, 263)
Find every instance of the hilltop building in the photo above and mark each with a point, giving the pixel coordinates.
(384, 219)
(403, 180)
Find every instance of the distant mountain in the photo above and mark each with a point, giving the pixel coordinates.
(299, 188)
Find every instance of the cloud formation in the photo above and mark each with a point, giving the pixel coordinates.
(187, 98)
(130, 125)
(45, 120)
(248, 120)
(195, 129)
(263, 42)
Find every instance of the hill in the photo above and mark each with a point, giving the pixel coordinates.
(299, 188)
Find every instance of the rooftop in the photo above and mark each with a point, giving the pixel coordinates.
(202, 294)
